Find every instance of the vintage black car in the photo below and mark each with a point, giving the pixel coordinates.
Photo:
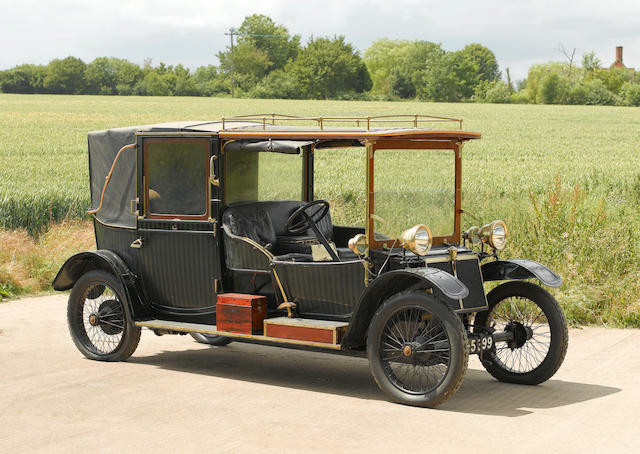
(333, 234)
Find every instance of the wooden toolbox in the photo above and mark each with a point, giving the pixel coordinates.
(324, 331)
(240, 313)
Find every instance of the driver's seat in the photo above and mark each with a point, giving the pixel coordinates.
(250, 239)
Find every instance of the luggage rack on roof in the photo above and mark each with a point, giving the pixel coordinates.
(271, 119)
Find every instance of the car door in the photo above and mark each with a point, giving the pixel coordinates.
(178, 252)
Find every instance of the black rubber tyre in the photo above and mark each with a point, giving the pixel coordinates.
(99, 318)
(418, 350)
(520, 303)
(211, 339)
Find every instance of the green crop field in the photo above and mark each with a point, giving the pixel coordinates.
(564, 178)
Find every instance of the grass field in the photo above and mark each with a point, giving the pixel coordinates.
(564, 178)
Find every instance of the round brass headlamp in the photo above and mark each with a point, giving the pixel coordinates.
(495, 234)
(417, 239)
(358, 244)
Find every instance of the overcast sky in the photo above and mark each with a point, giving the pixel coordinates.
(191, 32)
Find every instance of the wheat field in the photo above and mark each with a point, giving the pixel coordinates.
(564, 178)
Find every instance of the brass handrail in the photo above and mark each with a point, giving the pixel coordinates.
(413, 120)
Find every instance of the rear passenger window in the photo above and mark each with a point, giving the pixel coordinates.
(177, 173)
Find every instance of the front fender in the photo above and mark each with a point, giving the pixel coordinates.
(394, 282)
(502, 270)
(108, 261)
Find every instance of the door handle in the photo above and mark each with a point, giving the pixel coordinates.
(137, 243)
(212, 172)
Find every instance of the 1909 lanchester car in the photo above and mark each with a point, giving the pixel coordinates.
(220, 229)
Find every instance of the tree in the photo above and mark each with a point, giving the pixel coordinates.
(23, 79)
(263, 34)
(100, 76)
(263, 46)
(554, 89)
(248, 63)
(484, 59)
(327, 68)
(383, 59)
(153, 84)
(448, 77)
(208, 81)
(590, 62)
(65, 76)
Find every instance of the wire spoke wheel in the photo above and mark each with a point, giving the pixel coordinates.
(417, 349)
(102, 319)
(514, 314)
(539, 333)
(99, 321)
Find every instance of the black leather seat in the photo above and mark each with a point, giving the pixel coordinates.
(264, 223)
(251, 221)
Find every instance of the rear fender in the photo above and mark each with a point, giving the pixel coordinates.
(392, 283)
(503, 270)
(108, 261)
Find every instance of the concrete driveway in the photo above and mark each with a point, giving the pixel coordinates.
(175, 395)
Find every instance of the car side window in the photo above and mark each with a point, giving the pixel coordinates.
(177, 175)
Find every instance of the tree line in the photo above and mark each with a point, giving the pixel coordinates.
(268, 62)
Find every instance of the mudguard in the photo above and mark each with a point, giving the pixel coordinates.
(394, 282)
(502, 270)
(108, 261)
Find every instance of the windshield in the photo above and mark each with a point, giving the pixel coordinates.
(252, 176)
(414, 187)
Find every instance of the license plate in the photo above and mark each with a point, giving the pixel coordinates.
(479, 343)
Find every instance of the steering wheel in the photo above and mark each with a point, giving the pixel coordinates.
(300, 221)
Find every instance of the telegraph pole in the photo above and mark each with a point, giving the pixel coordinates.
(232, 31)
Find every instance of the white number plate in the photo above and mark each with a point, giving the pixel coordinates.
(480, 343)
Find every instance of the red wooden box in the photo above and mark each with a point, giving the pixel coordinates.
(240, 313)
(322, 331)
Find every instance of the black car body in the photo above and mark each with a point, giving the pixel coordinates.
(187, 212)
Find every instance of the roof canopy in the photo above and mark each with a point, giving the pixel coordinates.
(264, 132)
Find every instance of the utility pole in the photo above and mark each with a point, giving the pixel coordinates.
(232, 31)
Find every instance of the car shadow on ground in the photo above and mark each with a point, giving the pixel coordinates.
(349, 376)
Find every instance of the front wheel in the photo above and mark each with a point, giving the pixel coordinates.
(539, 329)
(418, 350)
(99, 318)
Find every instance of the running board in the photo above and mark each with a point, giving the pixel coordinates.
(183, 327)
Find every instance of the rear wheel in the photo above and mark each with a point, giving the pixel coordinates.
(211, 339)
(99, 319)
(540, 334)
(418, 350)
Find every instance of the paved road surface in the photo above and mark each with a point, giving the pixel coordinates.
(175, 395)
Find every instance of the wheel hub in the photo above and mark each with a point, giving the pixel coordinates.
(109, 317)
(94, 320)
(521, 334)
(408, 351)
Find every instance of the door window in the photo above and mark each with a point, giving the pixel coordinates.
(177, 174)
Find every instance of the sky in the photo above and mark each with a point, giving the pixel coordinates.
(191, 32)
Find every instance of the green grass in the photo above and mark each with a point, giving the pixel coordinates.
(564, 178)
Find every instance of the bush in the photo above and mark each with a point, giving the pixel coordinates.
(554, 89)
(276, 84)
(630, 94)
(496, 92)
(597, 94)
(577, 95)
(520, 97)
